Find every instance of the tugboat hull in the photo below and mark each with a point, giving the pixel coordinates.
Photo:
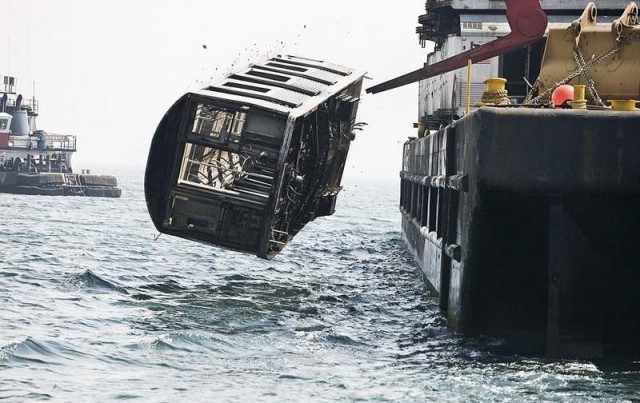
(34, 162)
(59, 184)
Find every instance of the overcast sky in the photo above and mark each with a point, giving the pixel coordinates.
(107, 71)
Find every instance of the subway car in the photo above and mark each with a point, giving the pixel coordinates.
(245, 163)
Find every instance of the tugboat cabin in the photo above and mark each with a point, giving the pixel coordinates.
(247, 162)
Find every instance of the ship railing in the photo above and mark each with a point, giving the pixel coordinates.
(29, 104)
(42, 142)
(59, 141)
(437, 3)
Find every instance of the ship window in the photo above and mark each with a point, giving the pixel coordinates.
(471, 25)
(211, 168)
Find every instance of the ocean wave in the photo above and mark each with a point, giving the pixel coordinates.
(342, 314)
(187, 341)
(31, 350)
(89, 281)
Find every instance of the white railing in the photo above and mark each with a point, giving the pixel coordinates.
(53, 142)
(60, 141)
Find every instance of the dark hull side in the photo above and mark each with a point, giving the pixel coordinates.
(525, 223)
(59, 184)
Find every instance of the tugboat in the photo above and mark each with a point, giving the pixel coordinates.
(520, 202)
(245, 163)
(35, 162)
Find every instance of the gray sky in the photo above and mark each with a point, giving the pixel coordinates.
(107, 71)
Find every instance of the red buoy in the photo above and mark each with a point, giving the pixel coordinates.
(561, 95)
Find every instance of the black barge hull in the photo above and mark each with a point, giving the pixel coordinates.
(525, 223)
(59, 184)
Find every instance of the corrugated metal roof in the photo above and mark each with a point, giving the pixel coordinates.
(264, 104)
(270, 93)
(295, 83)
(283, 80)
(279, 68)
(318, 64)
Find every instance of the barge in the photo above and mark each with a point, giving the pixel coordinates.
(35, 162)
(245, 163)
(523, 213)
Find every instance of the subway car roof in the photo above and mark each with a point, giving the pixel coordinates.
(287, 85)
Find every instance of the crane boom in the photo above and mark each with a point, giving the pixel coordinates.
(528, 23)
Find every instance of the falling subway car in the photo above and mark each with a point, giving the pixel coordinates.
(244, 164)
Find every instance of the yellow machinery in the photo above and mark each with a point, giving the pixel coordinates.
(605, 58)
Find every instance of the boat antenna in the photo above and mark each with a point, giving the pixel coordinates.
(8, 39)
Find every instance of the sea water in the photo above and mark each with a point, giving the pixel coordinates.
(94, 306)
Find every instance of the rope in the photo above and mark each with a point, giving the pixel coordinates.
(494, 98)
(579, 104)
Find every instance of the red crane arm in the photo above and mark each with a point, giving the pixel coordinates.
(528, 23)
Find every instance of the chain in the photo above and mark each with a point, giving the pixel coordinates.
(582, 70)
(533, 89)
(577, 55)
